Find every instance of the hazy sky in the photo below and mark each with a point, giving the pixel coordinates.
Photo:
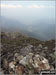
(28, 11)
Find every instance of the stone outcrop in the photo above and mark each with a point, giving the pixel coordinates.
(30, 64)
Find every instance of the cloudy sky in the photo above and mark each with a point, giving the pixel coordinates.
(28, 11)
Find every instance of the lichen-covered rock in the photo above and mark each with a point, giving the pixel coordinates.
(19, 57)
(5, 63)
(27, 59)
(16, 55)
(31, 63)
(54, 48)
(12, 65)
(23, 61)
(19, 69)
(40, 46)
(37, 62)
(41, 63)
(45, 48)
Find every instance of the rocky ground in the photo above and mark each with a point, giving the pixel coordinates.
(21, 54)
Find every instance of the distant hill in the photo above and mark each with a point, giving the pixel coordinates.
(39, 30)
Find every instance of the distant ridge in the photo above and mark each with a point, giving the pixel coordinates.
(38, 32)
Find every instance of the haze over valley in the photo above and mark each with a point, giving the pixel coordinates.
(36, 19)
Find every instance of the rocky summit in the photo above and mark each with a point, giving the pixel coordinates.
(21, 54)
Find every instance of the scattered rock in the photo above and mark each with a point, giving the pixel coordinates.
(5, 63)
(45, 48)
(54, 48)
(40, 46)
(26, 50)
(19, 69)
